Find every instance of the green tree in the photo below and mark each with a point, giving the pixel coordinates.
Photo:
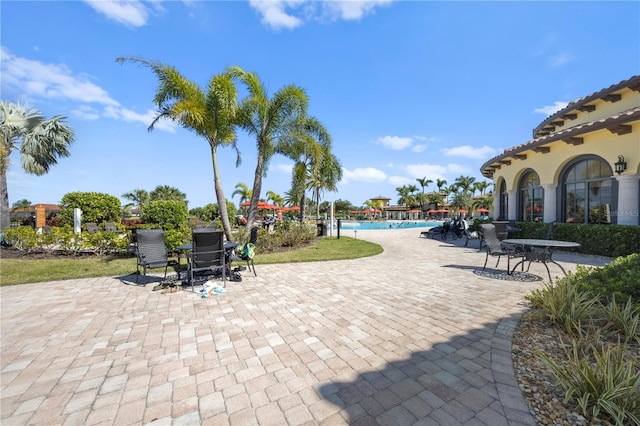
(308, 144)
(243, 191)
(440, 183)
(140, 197)
(325, 177)
(169, 214)
(276, 199)
(424, 182)
(23, 205)
(41, 142)
(466, 184)
(209, 113)
(268, 119)
(166, 192)
(96, 207)
(482, 186)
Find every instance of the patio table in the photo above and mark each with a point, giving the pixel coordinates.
(539, 250)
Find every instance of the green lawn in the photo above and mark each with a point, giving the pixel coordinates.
(21, 271)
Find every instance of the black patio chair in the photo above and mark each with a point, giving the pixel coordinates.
(207, 255)
(151, 251)
(495, 248)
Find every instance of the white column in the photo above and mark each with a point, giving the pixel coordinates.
(513, 204)
(496, 205)
(550, 202)
(628, 205)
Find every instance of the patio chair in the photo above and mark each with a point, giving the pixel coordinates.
(248, 253)
(151, 251)
(496, 248)
(501, 229)
(110, 227)
(207, 253)
(92, 227)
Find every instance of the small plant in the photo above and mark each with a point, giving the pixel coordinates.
(623, 319)
(564, 303)
(602, 382)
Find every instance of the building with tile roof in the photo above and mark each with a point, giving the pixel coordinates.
(582, 165)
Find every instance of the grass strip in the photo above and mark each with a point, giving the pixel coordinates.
(33, 270)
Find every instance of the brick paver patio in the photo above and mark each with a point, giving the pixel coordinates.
(411, 336)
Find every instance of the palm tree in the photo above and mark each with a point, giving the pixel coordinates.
(482, 186)
(268, 120)
(23, 205)
(440, 183)
(404, 195)
(243, 191)
(424, 182)
(41, 142)
(166, 192)
(307, 144)
(276, 199)
(324, 178)
(465, 183)
(140, 197)
(209, 113)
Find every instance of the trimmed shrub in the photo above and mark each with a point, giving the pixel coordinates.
(166, 213)
(96, 207)
(620, 279)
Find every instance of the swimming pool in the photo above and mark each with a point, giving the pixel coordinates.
(388, 224)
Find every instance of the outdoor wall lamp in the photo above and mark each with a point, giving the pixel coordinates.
(621, 165)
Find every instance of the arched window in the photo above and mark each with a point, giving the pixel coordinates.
(531, 197)
(587, 189)
(503, 214)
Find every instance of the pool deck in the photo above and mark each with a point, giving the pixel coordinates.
(411, 336)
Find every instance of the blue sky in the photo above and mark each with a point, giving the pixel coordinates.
(407, 89)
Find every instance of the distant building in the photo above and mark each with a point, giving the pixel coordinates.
(385, 200)
(582, 165)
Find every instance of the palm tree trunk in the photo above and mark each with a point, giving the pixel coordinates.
(222, 202)
(302, 203)
(4, 201)
(257, 186)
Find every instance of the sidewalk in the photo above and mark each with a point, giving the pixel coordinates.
(411, 336)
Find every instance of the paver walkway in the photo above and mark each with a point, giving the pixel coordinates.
(411, 336)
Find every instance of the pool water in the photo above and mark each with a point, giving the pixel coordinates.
(389, 224)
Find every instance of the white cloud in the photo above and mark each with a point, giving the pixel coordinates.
(547, 110)
(50, 81)
(293, 13)
(367, 175)
(419, 148)
(132, 13)
(468, 151)
(284, 168)
(560, 59)
(395, 142)
(274, 15)
(431, 171)
(129, 116)
(400, 180)
(350, 9)
(458, 169)
(85, 112)
(34, 79)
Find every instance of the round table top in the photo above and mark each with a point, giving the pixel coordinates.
(540, 242)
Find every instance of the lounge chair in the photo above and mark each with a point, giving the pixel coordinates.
(432, 232)
(110, 227)
(151, 251)
(92, 227)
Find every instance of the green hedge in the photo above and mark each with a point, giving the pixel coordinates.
(603, 240)
(96, 207)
